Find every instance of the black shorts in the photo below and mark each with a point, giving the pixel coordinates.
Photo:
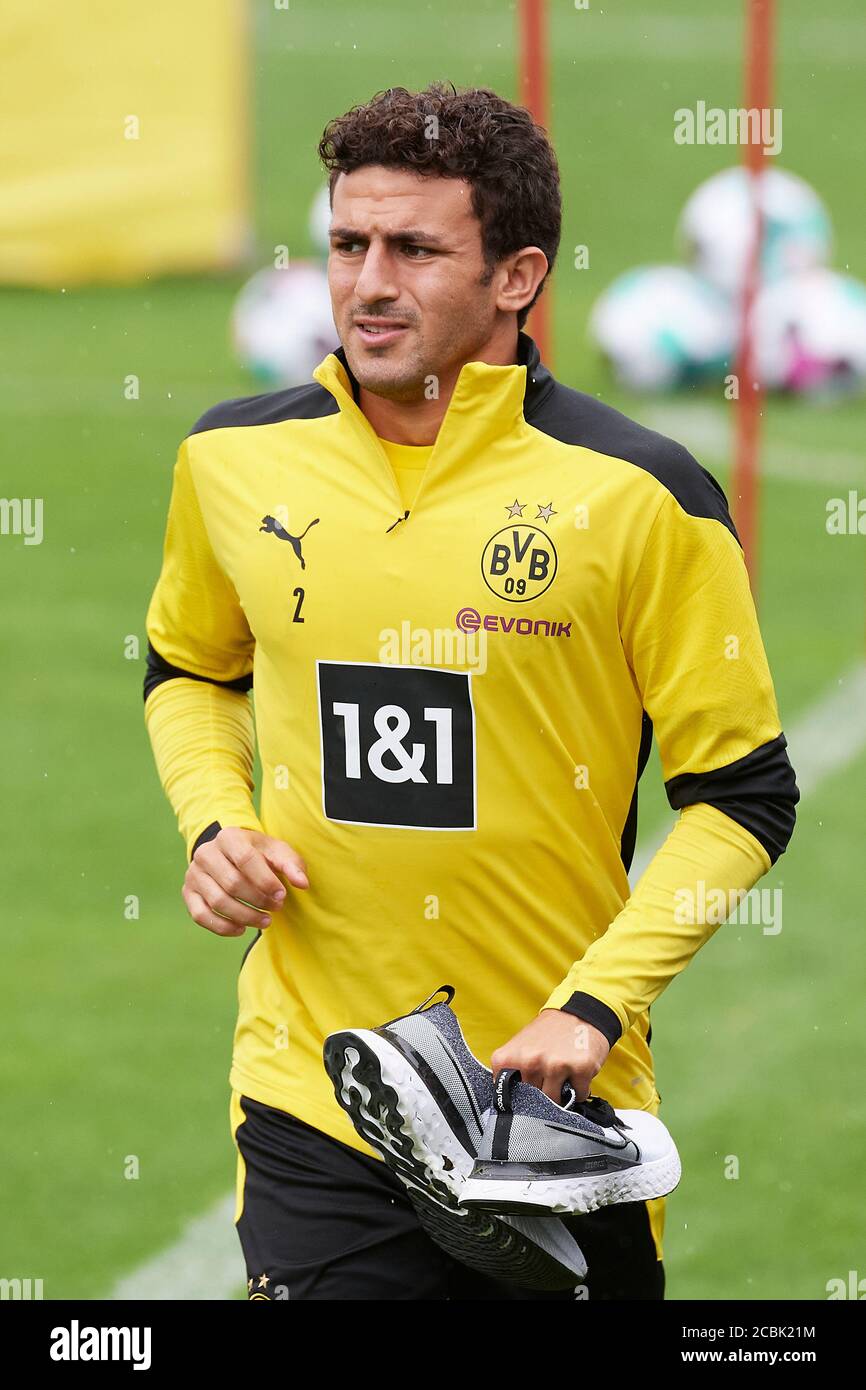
(320, 1220)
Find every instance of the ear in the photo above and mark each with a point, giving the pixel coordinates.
(520, 275)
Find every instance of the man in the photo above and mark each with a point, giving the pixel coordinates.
(465, 595)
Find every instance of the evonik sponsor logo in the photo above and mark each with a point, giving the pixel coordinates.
(470, 620)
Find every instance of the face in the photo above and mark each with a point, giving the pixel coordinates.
(405, 271)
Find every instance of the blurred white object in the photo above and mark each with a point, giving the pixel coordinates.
(810, 333)
(320, 221)
(282, 325)
(663, 325)
(715, 227)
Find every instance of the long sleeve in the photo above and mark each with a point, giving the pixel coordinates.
(707, 863)
(203, 742)
(690, 633)
(199, 671)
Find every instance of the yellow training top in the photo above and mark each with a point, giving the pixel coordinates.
(453, 709)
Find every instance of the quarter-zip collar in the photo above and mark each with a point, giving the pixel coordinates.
(487, 402)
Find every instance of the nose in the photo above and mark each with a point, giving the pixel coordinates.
(376, 278)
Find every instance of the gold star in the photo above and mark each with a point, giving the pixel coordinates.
(546, 512)
(249, 1286)
(516, 508)
(264, 1281)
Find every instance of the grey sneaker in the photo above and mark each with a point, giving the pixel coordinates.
(414, 1091)
(548, 1159)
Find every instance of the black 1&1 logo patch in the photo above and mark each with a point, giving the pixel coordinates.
(398, 745)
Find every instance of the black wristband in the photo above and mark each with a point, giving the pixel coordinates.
(592, 1010)
(210, 832)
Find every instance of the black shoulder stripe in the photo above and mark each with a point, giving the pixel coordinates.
(576, 418)
(159, 670)
(758, 791)
(308, 402)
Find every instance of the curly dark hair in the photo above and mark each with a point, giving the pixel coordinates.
(473, 135)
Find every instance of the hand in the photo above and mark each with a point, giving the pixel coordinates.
(554, 1048)
(232, 882)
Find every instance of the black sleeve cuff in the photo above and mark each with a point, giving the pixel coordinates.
(210, 832)
(591, 1010)
(758, 791)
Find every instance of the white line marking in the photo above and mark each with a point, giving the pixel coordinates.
(592, 37)
(832, 733)
(205, 1263)
(706, 430)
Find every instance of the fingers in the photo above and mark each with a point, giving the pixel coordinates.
(231, 906)
(553, 1049)
(284, 860)
(550, 1088)
(539, 1071)
(238, 870)
(205, 917)
(532, 1069)
(550, 1081)
(553, 1086)
(234, 880)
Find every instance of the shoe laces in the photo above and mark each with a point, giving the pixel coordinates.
(594, 1108)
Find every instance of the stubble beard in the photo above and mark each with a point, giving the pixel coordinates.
(404, 381)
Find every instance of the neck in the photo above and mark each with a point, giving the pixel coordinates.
(417, 422)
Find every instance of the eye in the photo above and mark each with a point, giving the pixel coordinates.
(411, 247)
(349, 247)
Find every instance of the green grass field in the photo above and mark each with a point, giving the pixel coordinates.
(117, 1032)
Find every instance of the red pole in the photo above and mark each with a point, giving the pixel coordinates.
(750, 399)
(534, 95)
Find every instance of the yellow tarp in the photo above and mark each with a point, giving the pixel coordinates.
(124, 137)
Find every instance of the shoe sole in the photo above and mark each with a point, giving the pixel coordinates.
(393, 1111)
(571, 1196)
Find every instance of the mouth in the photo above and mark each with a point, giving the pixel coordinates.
(379, 332)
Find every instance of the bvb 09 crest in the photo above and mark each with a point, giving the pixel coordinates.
(519, 563)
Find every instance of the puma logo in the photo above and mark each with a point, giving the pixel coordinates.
(270, 523)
